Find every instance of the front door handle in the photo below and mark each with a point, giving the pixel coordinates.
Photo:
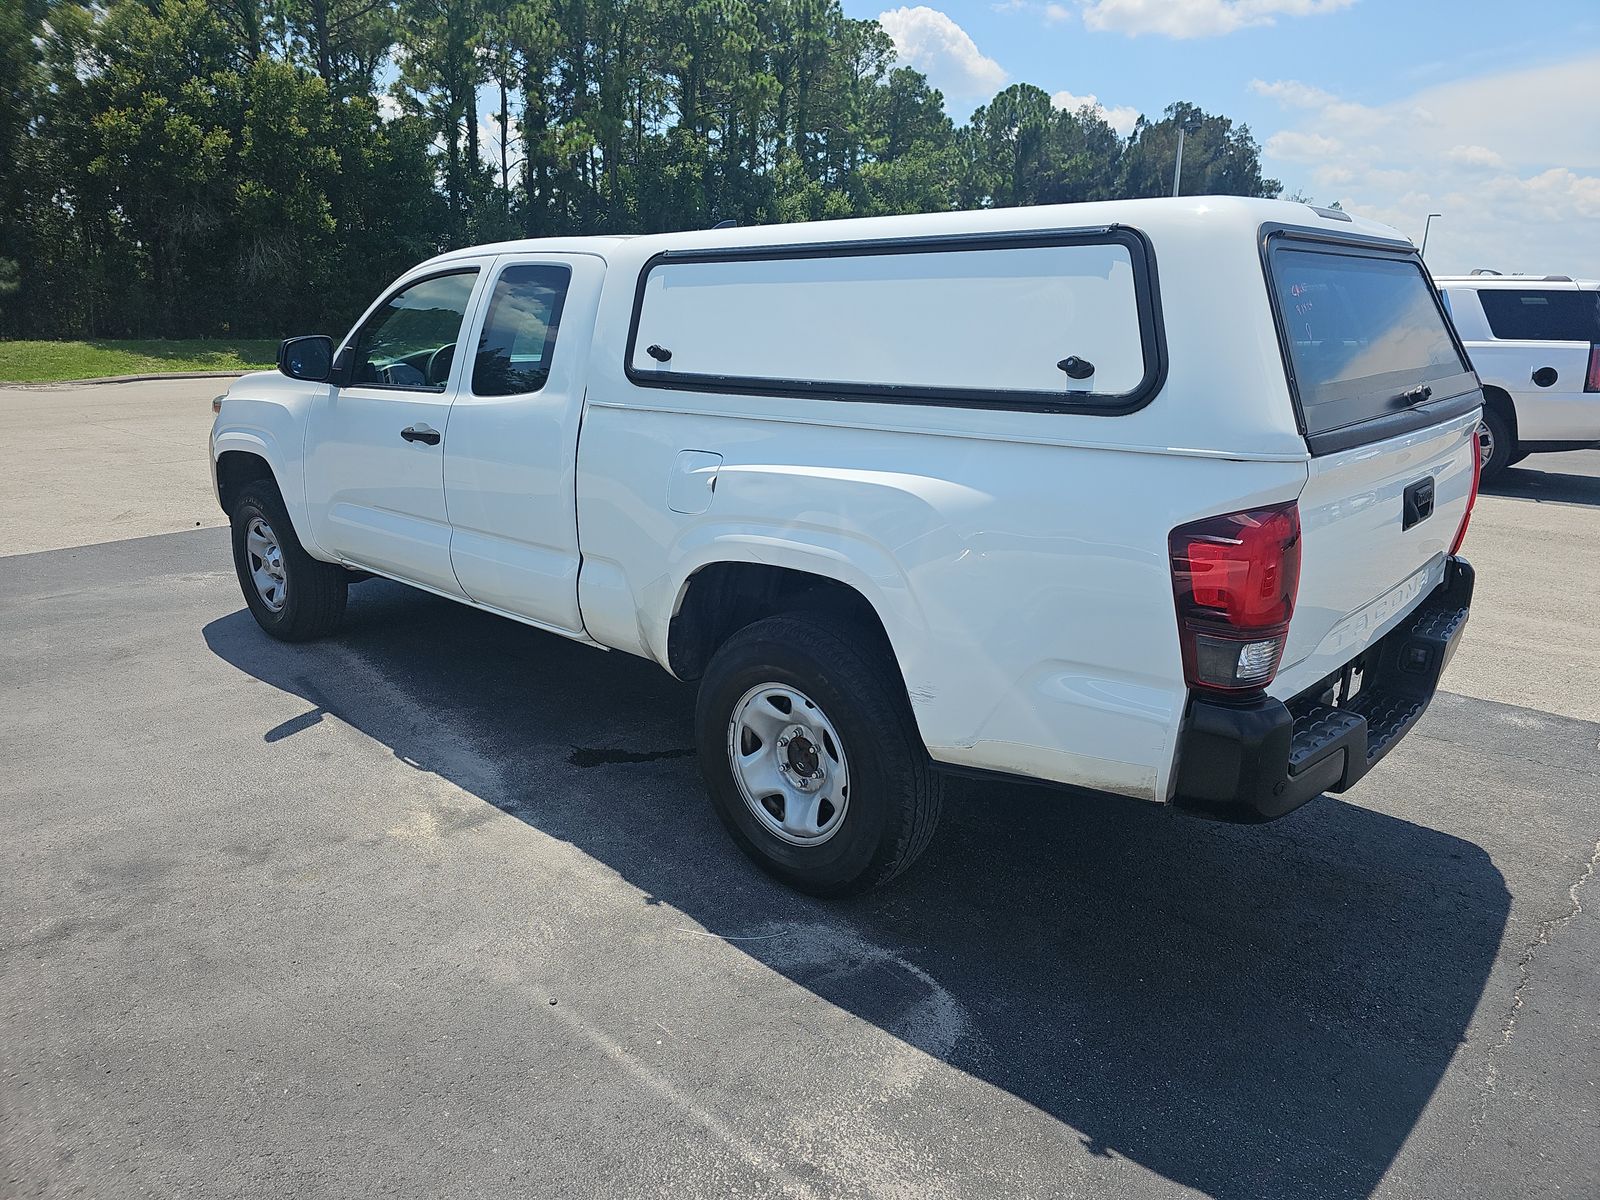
(420, 433)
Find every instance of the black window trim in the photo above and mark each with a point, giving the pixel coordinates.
(1147, 299)
(355, 334)
(488, 311)
(1461, 393)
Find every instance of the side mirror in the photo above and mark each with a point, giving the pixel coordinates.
(309, 358)
(343, 366)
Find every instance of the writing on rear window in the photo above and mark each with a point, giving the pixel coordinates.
(1365, 335)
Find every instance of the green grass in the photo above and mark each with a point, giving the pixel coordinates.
(46, 362)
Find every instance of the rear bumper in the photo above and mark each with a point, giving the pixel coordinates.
(1260, 759)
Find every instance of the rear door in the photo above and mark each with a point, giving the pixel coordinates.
(1542, 336)
(1388, 404)
(511, 452)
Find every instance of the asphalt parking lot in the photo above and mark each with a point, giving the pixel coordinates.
(438, 908)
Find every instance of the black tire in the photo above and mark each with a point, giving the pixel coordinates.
(894, 793)
(314, 592)
(1505, 445)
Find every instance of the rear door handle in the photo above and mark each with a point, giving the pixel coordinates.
(420, 433)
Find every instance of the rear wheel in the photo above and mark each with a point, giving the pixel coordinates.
(812, 757)
(292, 596)
(1496, 446)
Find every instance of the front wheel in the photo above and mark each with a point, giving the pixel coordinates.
(812, 756)
(292, 596)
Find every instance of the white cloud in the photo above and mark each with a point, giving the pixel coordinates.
(1476, 156)
(1291, 93)
(930, 41)
(1517, 179)
(489, 142)
(1296, 146)
(1057, 13)
(1195, 18)
(1561, 197)
(1121, 118)
(1524, 117)
(388, 107)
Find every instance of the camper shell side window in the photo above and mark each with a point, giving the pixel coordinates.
(1057, 322)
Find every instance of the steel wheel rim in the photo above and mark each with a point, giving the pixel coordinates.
(1485, 443)
(265, 557)
(789, 764)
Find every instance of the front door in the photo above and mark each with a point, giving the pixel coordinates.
(509, 474)
(375, 446)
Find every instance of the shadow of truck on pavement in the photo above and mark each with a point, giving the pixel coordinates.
(1249, 1011)
(1547, 486)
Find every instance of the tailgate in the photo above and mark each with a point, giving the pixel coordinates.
(1389, 406)
(1362, 569)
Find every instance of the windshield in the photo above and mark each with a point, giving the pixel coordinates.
(1365, 333)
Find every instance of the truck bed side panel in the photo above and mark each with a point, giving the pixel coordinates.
(1025, 587)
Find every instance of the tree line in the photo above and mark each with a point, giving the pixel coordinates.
(255, 167)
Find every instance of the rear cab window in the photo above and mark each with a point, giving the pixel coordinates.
(1541, 314)
(1056, 322)
(1368, 347)
(519, 334)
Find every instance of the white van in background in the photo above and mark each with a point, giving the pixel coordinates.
(1160, 498)
(1535, 343)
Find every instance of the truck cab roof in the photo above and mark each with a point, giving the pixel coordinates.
(1149, 214)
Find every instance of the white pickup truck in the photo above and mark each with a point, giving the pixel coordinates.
(1160, 498)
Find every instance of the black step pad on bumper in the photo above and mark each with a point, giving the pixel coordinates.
(1260, 759)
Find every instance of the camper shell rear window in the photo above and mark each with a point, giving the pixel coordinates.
(1367, 346)
(1056, 322)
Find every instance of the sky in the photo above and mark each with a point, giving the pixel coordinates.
(1486, 112)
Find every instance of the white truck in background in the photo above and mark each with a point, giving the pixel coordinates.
(1158, 498)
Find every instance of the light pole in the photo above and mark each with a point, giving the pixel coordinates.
(1426, 225)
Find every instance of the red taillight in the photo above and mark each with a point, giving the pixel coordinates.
(1591, 381)
(1235, 578)
(1477, 477)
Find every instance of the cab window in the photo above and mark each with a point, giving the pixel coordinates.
(519, 332)
(410, 339)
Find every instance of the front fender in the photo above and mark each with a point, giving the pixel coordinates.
(265, 415)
